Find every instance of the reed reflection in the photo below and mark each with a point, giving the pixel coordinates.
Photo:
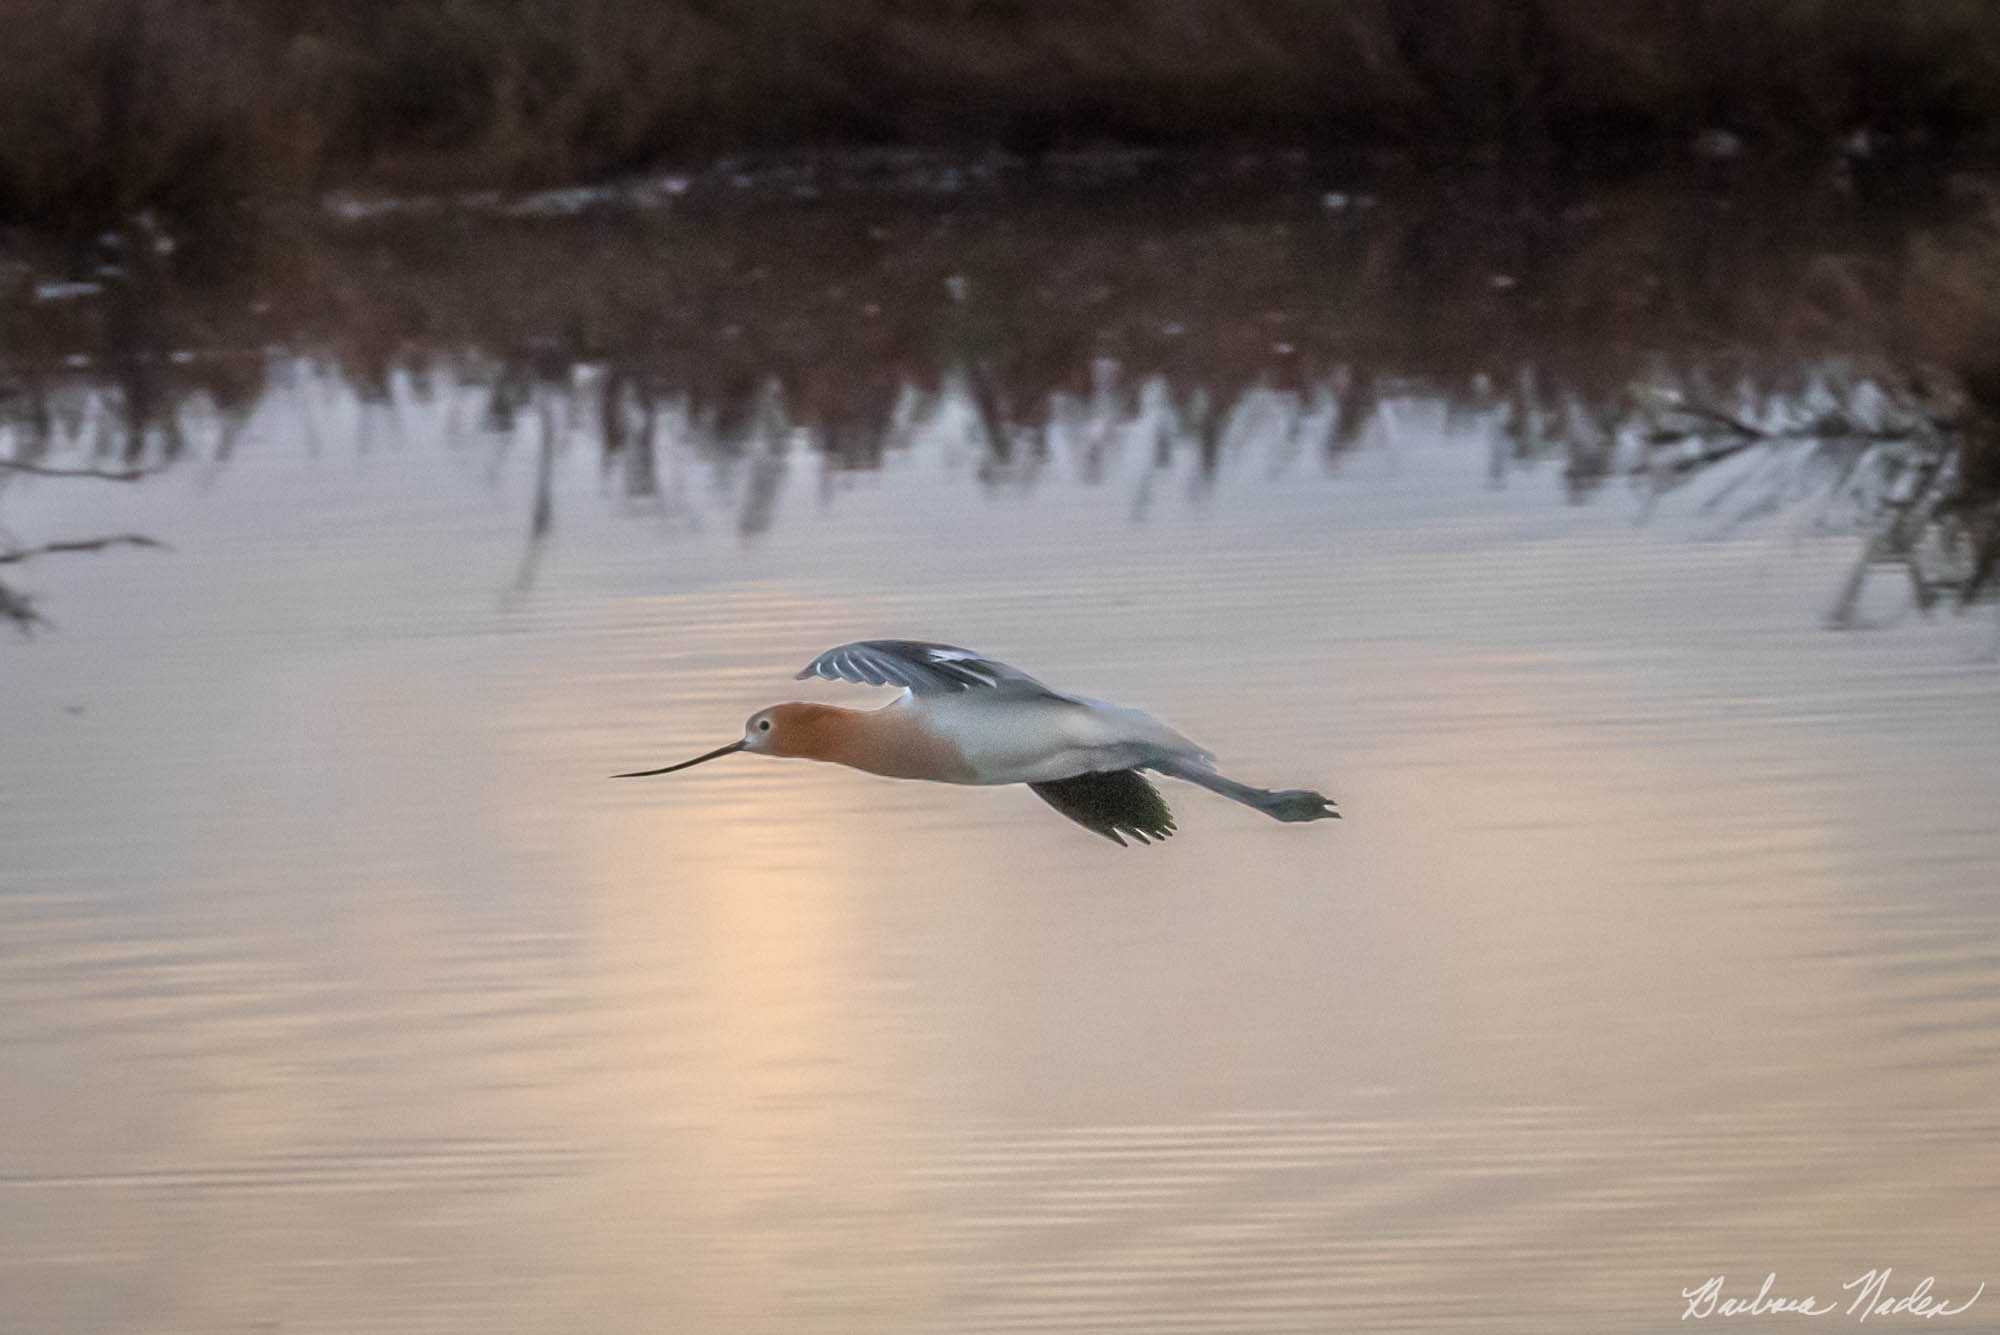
(1832, 355)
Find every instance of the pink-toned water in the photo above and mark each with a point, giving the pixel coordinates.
(340, 990)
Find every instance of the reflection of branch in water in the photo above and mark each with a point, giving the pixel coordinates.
(621, 398)
(102, 474)
(992, 416)
(766, 439)
(19, 609)
(13, 555)
(545, 467)
(1911, 472)
(541, 515)
(1910, 509)
(1729, 422)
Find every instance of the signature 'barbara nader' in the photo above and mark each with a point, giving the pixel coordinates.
(1869, 1295)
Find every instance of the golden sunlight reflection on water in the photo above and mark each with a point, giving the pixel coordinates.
(340, 989)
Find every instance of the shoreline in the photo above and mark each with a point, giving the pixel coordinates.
(130, 105)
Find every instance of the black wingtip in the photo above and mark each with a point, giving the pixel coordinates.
(1114, 804)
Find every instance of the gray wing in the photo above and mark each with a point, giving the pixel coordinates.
(926, 669)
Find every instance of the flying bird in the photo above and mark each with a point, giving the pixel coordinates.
(964, 718)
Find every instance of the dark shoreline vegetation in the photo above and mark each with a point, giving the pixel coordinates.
(188, 107)
(1830, 344)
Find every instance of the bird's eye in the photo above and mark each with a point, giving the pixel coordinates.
(763, 725)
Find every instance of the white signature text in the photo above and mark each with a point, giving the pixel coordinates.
(1871, 1296)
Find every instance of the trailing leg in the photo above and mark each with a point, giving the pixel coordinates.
(1286, 804)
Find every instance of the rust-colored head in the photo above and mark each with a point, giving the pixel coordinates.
(797, 728)
(815, 732)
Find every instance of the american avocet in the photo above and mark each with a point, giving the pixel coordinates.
(966, 719)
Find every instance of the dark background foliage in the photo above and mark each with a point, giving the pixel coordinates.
(107, 106)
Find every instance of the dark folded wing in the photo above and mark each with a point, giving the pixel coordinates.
(924, 668)
(1112, 803)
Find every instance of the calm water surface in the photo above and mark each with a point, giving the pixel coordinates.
(340, 991)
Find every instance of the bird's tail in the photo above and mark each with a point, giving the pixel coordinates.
(1287, 804)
